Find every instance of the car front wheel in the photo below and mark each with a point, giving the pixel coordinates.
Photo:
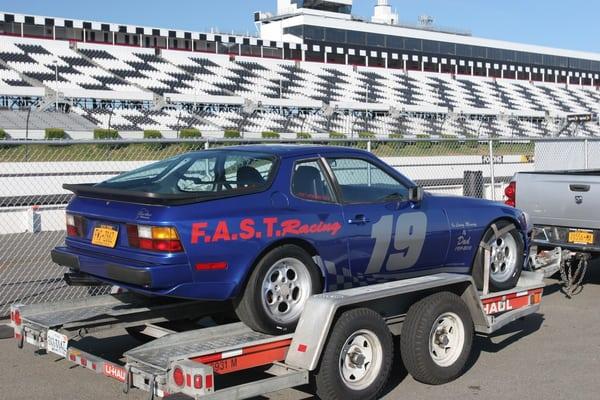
(507, 257)
(278, 289)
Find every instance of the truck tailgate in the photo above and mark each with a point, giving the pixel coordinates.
(567, 199)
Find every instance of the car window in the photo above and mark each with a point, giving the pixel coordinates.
(203, 172)
(361, 181)
(309, 183)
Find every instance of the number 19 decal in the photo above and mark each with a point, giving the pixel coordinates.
(409, 237)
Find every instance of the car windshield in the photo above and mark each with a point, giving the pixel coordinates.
(208, 172)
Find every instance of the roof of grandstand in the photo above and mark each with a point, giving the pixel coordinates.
(359, 76)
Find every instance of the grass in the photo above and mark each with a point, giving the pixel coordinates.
(141, 152)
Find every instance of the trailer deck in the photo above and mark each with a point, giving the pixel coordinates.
(185, 363)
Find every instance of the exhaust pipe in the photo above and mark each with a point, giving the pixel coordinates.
(79, 279)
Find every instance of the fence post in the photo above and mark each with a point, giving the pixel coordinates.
(206, 145)
(369, 146)
(492, 172)
(586, 154)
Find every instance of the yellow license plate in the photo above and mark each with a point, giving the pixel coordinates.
(581, 237)
(105, 236)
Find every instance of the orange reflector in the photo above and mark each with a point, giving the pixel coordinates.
(302, 348)
(536, 298)
(164, 233)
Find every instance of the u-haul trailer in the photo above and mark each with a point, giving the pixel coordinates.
(343, 339)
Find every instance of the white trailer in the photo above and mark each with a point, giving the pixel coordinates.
(343, 343)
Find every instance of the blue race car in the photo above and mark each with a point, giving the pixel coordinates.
(269, 226)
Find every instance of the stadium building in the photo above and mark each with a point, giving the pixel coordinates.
(314, 67)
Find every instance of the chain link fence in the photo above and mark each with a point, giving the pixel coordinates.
(32, 200)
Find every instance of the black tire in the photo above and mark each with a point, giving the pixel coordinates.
(248, 306)
(415, 339)
(478, 263)
(328, 379)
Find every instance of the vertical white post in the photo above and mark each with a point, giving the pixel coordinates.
(586, 155)
(492, 172)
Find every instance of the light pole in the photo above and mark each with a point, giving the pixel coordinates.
(55, 62)
(368, 87)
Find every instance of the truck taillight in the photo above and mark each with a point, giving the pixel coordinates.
(15, 317)
(154, 238)
(511, 194)
(75, 225)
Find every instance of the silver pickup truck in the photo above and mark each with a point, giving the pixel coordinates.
(564, 207)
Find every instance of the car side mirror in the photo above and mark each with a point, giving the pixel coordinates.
(415, 194)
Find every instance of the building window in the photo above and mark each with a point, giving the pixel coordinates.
(335, 35)
(375, 40)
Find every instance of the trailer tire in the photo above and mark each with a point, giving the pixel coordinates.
(269, 275)
(357, 359)
(432, 355)
(512, 243)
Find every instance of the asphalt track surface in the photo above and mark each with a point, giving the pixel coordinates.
(551, 355)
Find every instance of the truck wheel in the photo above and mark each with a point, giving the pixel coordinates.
(436, 339)
(357, 359)
(278, 289)
(507, 258)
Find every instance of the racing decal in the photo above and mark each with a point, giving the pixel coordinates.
(251, 228)
(463, 242)
(409, 238)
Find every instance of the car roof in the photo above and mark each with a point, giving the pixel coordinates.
(294, 150)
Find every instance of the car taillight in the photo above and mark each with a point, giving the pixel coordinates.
(511, 194)
(154, 238)
(75, 225)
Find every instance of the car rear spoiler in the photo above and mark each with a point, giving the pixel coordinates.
(159, 199)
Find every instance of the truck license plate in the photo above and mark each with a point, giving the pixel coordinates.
(581, 237)
(57, 343)
(105, 236)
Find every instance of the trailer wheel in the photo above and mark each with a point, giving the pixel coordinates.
(357, 359)
(507, 252)
(278, 289)
(436, 339)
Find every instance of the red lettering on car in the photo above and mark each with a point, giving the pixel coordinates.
(198, 231)
(247, 229)
(222, 232)
(270, 223)
(290, 226)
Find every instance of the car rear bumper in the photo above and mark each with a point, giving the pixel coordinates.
(173, 280)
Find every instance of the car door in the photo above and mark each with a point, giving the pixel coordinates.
(387, 234)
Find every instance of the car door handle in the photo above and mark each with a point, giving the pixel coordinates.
(580, 188)
(359, 220)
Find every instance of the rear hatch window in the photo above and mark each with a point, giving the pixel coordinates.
(188, 178)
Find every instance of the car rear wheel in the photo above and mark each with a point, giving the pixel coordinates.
(507, 257)
(278, 289)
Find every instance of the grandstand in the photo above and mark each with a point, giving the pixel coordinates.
(314, 68)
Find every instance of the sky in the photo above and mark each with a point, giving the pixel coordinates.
(570, 25)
